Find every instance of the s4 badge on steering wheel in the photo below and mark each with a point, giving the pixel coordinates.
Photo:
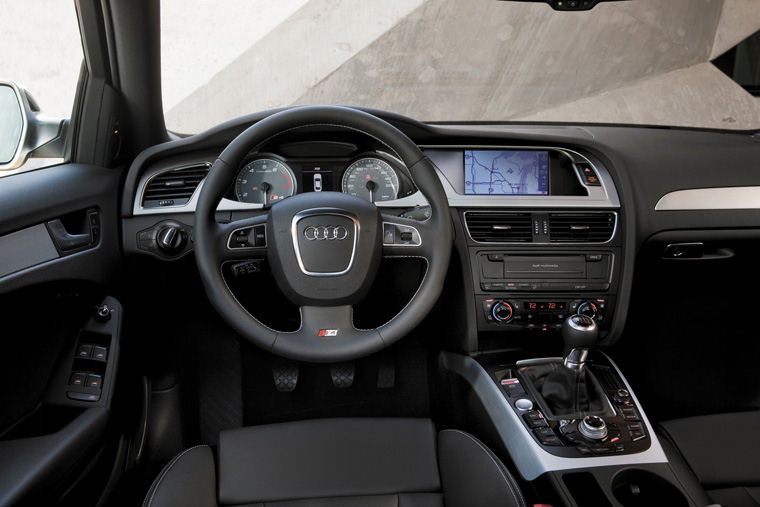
(327, 332)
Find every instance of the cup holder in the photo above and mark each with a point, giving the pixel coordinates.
(636, 487)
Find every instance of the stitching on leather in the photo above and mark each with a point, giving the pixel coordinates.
(149, 500)
(516, 493)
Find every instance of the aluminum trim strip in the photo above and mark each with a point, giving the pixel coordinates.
(531, 459)
(710, 199)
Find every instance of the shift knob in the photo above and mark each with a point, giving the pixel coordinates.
(579, 331)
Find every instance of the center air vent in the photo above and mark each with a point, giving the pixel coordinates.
(499, 227)
(174, 187)
(581, 227)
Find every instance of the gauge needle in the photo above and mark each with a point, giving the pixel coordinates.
(265, 188)
(371, 187)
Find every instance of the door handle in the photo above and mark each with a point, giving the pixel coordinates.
(63, 239)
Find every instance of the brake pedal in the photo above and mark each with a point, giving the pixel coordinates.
(386, 373)
(342, 374)
(285, 375)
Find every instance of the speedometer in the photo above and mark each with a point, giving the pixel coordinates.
(265, 181)
(372, 179)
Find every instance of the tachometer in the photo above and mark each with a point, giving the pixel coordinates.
(265, 181)
(372, 179)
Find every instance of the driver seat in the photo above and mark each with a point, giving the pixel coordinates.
(338, 463)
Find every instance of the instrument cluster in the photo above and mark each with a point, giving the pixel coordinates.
(266, 178)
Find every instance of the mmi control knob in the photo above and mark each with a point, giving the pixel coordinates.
(503, 311)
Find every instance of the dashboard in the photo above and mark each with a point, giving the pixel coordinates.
(539, 227)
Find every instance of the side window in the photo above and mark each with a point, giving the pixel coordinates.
(39, 68)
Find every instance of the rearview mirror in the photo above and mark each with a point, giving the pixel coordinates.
(569, 5)
(24, 131)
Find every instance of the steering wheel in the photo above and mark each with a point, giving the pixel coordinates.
(324, 248)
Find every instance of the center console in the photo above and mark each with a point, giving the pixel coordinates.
(543, 254)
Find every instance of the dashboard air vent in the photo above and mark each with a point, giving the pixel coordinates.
(499, 227)
(174, 187)
(581, 227)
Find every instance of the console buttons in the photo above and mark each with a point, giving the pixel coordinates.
(594, 257)
(72, 395)
(77, 379)
(628, 413)
(84, 350)
(546, 436)
(99, 353)
(513, 387)
(523, 404)
(588, 174)
(94, 381)
(535, 419)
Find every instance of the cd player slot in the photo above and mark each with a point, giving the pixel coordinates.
(509, 271)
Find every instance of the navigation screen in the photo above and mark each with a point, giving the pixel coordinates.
(494, 172)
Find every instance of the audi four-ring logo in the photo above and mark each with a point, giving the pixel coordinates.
(326, 232)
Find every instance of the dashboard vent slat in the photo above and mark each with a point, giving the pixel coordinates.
(581, 227)
(499, 227)
(174, 187)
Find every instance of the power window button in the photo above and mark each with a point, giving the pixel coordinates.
(94, 381)
(84, 351)
(77, 379)
(99, 353)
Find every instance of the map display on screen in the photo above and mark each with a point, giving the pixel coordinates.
(493, 172)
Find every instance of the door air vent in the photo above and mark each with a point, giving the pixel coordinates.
(581, 227)
(174, 187)
(498, 227)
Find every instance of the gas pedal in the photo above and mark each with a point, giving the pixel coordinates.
(343, 374)
(285, 375)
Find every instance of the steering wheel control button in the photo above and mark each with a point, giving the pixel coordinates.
(254, 236)
(523, 404)
(246, 268)
(325, 243)
(400, 235)
(593, 427)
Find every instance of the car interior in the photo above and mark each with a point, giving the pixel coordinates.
(327, 305)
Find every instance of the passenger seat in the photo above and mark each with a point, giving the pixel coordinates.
(719, 452)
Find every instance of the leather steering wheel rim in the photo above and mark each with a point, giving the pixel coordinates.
(343, 341)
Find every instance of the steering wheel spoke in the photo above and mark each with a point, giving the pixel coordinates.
(242, 239)
(329, 331)
(404, 237)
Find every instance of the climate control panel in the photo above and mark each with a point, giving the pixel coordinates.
(540, 314)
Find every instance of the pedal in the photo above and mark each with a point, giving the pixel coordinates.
(342, 374)
(386, 373)
(285, 375)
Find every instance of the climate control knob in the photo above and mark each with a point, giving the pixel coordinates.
(502, 311)
(589, 309)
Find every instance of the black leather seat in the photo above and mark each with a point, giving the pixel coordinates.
(338, 463)
(718, 456)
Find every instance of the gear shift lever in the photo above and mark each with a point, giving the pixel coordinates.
(578, 332)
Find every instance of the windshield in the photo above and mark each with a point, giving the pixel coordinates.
(690, 63)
